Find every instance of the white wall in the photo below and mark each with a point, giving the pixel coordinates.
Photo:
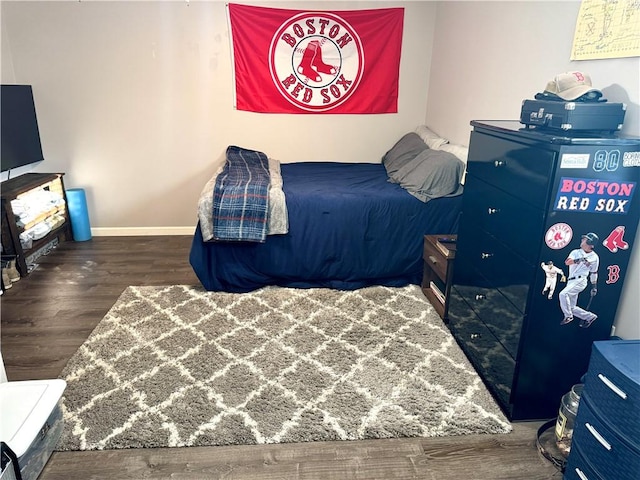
(489, 56)
(135, 101)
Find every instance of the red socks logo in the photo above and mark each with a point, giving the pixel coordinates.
(614, 241)
(312, 65)
(316, 60)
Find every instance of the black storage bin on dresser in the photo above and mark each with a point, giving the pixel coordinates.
(573, 115)
(606, 438)
(530, 196)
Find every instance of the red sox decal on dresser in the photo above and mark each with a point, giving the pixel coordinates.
(614, 274)
(578, 194)
(613, 243)
(583, 264)
(595, 196)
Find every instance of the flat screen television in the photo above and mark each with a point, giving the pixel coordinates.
(19, 125)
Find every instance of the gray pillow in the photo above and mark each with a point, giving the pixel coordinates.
(430, 174)
(405, 150)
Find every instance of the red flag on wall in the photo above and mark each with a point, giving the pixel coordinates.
(297, 61)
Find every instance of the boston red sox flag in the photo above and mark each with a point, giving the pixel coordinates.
(297, 61)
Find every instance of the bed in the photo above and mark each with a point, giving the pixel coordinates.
(350, 225)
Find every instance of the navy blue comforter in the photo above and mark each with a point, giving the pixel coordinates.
(348, 228)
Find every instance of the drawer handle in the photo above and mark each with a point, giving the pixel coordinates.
(500, 163)
(492, 210)
(433, 259)
(597, 436)
(480, 296)
(612, 386)
(581, 475)
(486, 255)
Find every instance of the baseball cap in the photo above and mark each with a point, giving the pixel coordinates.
(571, 85)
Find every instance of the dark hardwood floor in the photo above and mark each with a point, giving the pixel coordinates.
(47, 316)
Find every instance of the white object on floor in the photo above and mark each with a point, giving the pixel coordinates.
(31, 421)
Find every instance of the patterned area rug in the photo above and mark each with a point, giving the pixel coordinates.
(178, 366)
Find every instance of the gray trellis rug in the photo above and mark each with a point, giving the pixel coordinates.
(178, 366)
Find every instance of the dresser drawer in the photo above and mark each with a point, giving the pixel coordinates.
(506, 270)
(609, 455)
(510, 219)
(578, 467)
(522, 170)
(484, 350)
(496, 312)
(435, 258)
(613, 386)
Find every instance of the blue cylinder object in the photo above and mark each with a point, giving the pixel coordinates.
(80, 226)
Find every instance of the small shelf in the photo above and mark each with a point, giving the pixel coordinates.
(20, 188)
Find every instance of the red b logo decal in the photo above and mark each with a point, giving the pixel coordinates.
(614, 274)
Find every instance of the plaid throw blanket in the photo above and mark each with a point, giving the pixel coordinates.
(241, 197)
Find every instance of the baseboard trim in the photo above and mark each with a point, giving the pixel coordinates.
(140, 231)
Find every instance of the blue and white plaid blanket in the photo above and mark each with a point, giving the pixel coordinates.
(241, 197)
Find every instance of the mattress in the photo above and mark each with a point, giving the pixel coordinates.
(349, 227)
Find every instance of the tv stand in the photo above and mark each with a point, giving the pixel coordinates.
(57, 217)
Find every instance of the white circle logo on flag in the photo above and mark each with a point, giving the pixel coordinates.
(316, 61)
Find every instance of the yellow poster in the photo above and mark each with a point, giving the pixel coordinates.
(607, 29)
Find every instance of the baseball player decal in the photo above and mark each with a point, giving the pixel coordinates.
(583, 264)
(551, 273)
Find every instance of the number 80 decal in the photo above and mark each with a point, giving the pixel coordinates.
(606, 160)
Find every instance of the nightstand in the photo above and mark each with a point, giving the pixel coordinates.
(438, 255)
